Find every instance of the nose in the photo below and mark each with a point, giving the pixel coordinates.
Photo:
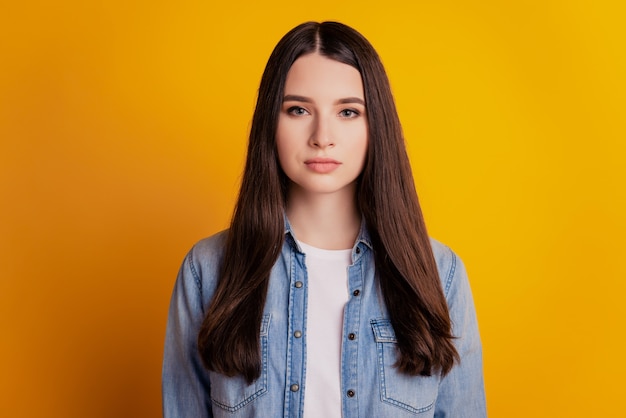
(321, 137)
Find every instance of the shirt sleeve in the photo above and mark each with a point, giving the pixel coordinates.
(461, 391)
(185, 381)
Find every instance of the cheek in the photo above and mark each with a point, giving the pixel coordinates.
(363, 148)
(280, 141)
(362, 143)
(280, 151)
(283, 150)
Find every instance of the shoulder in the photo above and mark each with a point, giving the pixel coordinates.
(204, 258)
(211, 247)
(449, 265)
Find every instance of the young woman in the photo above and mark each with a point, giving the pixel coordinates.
(325, 298)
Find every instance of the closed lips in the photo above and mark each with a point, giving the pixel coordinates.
(322, 165)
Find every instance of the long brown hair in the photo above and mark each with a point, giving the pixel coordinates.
(405, 267)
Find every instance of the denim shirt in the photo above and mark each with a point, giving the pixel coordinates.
(370, 385)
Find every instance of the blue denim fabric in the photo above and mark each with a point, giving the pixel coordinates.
(371, 386)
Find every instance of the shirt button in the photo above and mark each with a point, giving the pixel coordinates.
(350, 393)
(294, 388)
(297, 334)
(298, 285)
(356, 292)
(358, 250)
(351, 336)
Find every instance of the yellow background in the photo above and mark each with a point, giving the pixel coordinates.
(123, 128)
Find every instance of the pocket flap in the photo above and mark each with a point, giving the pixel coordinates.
(383, 331)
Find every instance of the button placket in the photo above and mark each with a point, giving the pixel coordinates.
(351, 328)
(297, 320)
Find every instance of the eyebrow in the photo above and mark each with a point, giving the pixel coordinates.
(345, 100)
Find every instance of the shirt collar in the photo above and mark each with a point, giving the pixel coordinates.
(363, 237)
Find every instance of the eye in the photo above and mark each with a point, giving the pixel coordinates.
(297, 111)
(349, 113)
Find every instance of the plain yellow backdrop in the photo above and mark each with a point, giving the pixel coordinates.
(123, 127)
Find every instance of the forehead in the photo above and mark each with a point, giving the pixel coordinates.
(317, 75)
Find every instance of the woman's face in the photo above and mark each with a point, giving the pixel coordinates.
(322, 131)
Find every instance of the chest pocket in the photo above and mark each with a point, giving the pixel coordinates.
(414, 394)
(233, 393)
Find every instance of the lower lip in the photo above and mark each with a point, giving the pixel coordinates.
(322, 168)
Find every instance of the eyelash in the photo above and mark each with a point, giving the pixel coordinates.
(354, 113)
(293, 109)
(296, 111)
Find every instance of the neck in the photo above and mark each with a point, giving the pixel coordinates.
(325, 220)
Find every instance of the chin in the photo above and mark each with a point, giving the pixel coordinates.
(326, 188)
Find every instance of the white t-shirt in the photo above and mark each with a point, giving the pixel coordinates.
(327, 295)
